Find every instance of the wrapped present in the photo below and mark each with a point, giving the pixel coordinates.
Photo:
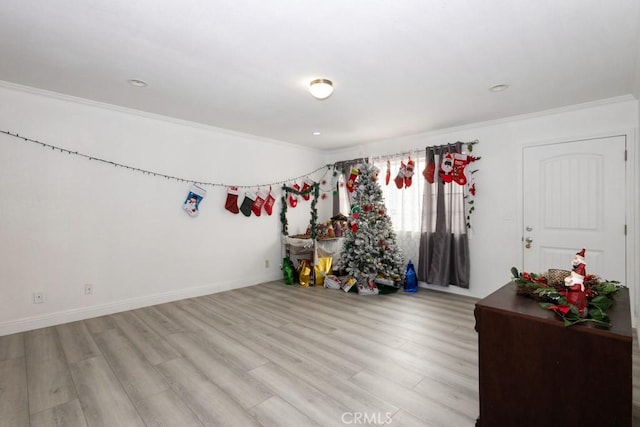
(384, 281)
(332, 282)
(321, 269)
(347, 283)
(367, 288)
(304, 273)
(287, 269)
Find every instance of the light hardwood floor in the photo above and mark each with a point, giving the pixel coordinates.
(270, 355)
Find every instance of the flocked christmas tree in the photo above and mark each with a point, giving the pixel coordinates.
(370, 248)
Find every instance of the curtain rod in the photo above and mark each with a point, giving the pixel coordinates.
(421, 150)
(467, 143)
(400, 154)
(415, 151)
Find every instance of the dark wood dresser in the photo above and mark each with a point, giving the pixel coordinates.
(534, 371)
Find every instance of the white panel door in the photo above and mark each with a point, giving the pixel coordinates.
(574, 197)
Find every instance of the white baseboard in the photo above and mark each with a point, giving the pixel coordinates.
(73, 315)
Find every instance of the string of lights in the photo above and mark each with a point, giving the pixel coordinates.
(160, 174)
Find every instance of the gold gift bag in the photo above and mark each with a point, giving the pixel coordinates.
(322, 268)
(304, 273)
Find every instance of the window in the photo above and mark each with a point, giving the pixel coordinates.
(404, 205)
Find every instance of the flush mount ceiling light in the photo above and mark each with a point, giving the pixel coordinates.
(499, 88)
(137, 83)
(321, 88)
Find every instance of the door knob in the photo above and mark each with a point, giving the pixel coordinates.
(528, 241)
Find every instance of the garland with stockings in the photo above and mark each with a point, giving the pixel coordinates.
(255, 201)
(451, 170)
(292, 193)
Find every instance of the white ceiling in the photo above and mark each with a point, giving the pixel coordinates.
(399, 67)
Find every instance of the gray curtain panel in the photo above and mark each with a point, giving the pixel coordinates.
(444, 246)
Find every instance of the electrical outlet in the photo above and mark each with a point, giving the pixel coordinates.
(88, 289)
(266, 263)
(38, 297)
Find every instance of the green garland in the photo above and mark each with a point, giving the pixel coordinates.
(553, 297)
(313, 223)
(283, 214)
(472, 186)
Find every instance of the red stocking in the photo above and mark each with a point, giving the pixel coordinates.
(430, 171)
(269, 202)
(293, 198)
(459, 163)
(399, 180)
(446, 168)
(305, 186)
(408, 173)
(232, 200)
(351, 182)
(258, 203)
(387, 177)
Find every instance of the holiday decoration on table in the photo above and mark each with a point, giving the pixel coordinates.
(192, 202)
(247, 203)
(231, 204)
(575, 284)
(370, 248)
(574, 295)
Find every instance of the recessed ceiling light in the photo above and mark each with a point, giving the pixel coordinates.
(137, 83)
(499, 88)
(316, 133)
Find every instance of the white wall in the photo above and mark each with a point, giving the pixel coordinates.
(495, 244)
(66, 221)
(636, 93)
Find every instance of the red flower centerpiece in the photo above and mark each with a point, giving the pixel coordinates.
(573, 295)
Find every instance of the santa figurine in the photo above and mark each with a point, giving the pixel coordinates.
(575, 284)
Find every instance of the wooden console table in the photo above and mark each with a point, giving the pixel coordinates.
(534, 371)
